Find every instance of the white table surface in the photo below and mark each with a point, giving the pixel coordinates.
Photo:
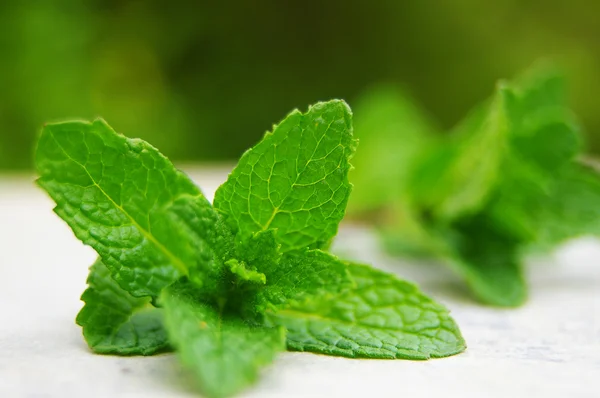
(548, 348)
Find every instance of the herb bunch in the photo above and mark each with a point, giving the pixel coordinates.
(230, 284)
(507, 181)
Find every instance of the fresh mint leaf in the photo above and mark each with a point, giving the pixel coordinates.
(278, 279)
(303, 274)
(295, 180)
(244, 273)
(489, 260)
(241, 257)
(541, 87)
(485, 244)
(383, 317)
(261, 250)
(114, 322)
(114, 193)
(545, 138)
(207, 230)
(222, 351)
(456, 179)
(495, 186)
(572, 209)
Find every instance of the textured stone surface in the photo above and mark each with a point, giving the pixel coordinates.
(550, 347)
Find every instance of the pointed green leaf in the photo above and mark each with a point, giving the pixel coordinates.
(496, 281)
(544, 133)
(383, 317)
(114, 322)
(544, 139)
(572, 209)
(114, 193)
(223, 352)
(490, 261)
(260, 250)
(245, 273)
(457, 178)
(303, 274)
(488, 186)
(201, 223)
(295, 180)
(540, 87)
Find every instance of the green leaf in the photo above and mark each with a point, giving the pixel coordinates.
(496, 281)
(489, 260)
(214, 240)
(223, 352)
(510, 208)
(524, 126)
(114, 322)
(259, 254)
(393, 133)
(383, 317)
(114, 193)
(260, 250)
(295, 180)
(457, 177)
(544, 132)
(244, 273)
(479, 198)
(545, 139)
(542, 139)
(572, 209)
(548, 142)
(303, 274)
(540, 87)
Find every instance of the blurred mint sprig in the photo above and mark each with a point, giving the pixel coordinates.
(505, 180)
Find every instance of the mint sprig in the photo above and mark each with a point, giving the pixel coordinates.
(505, 180)
(217, 282)
(222, 351)
(115, 322)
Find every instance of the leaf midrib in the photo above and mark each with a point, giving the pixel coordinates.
(298, 173)
(316, 317)
(174, 259)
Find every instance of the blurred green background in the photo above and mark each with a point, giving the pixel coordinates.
(204, 80)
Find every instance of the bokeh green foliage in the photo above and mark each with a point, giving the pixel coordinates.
(510, 179)
(204, 80)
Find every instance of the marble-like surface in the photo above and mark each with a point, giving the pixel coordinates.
(548, 348)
